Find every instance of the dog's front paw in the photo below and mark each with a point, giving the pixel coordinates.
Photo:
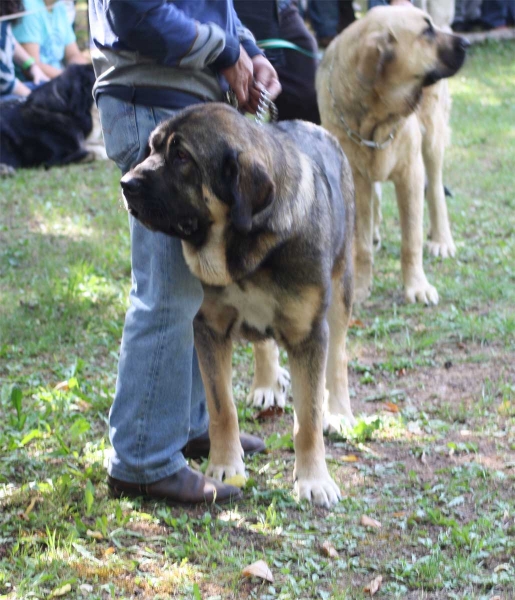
(276, 393)
(441, 246)
(421, 291)
(321, 490)
(225, 469)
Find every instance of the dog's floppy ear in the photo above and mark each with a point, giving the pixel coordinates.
(251, 190)
(374, 54)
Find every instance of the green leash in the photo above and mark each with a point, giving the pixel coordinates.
(273, 44)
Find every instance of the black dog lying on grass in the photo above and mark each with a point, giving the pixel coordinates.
(50, 127)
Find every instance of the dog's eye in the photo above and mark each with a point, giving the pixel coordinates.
(429, 32)
(180, 157)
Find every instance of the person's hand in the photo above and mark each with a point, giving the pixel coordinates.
(239, 77)
(265, 78)
(37, 75)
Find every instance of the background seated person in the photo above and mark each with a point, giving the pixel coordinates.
(47, 35)
(12, 53)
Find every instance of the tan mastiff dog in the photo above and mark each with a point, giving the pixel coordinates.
(266, 219)
(381, 92)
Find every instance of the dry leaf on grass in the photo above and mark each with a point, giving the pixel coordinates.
(374, 585)
(269, 413)
(329, 550)
(62, 386)
(94, 534)
(259, 569)
(391, 407)
(349, 458)
(399, 515)
(369, 522)
(61, 591)
(236, 480)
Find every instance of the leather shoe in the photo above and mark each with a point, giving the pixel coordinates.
(200, 446)
(184, 488)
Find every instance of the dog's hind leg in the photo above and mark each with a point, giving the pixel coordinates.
(338, 412)
(271, 381)
(433, 147)
(215, 360)
(307, 364)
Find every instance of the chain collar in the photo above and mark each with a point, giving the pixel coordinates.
(354, 135)
(265, 107)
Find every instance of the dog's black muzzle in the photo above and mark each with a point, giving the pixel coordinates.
(143, 204)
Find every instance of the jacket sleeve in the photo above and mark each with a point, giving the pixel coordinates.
(163, 32)
(247, 39)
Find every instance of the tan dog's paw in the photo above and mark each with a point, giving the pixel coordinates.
(275, 394)
(226, 469)
(444, 247)
(421, 291)
(321, 490)
(338, 423)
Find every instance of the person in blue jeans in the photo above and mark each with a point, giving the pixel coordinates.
(153, 58)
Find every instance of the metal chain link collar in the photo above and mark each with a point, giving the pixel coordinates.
(356, 137)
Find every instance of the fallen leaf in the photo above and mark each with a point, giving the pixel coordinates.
(374, 585)
(391, 407)
(399, 515)
(109, 551)
(269, 413)
(236, 480)
(349, 458)
(259, 569)
(329, 550)
(357, 323)
(62, 386)
(86, 589)
(94, 534)
(29, 508)
(61, 591)
(369, 522)
(503, 567)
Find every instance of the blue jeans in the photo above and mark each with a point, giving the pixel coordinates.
(159, 403)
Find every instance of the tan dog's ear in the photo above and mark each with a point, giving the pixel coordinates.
(374, 54)
(251, 189)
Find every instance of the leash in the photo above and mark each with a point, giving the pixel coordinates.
(355, 136)
(266, 111)
(274, 43)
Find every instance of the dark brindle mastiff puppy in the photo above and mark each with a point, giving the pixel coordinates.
(265, 215)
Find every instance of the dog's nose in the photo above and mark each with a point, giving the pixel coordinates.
(463, 43)
(131, 186)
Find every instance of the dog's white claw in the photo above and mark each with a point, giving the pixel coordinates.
(444, 249)
(265, 397)
(225, 471)
(322, 491)
(338, 423)
(425, 294)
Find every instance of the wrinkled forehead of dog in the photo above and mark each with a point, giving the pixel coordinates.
(204, 131)
(397, 19)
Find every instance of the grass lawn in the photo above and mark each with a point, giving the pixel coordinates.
(432, 459)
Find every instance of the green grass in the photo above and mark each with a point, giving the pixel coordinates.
(438, 473)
